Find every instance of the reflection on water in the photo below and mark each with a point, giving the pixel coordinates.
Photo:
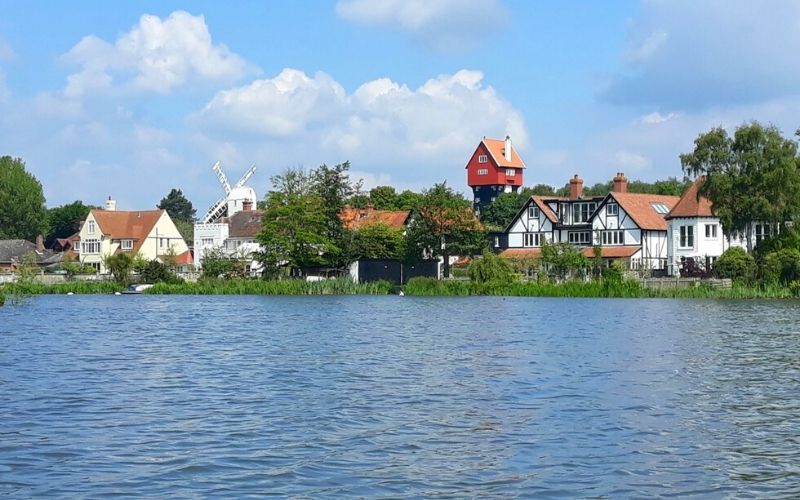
(390, 396)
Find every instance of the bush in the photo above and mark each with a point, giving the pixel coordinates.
(782, 266)
(735, 263)
(490, 267)
(156, 272)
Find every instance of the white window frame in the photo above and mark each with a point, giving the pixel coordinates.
(483, 159)
(613, 237)
(90, 227)
(483, 171)
(711, 231)
(126, 244)
(532, 239)
(612, 209)
(686, 237)
(580, 237)
(91, 247)
(511, 172)
(533, 212)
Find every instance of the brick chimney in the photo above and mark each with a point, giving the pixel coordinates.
(575, 187)
(620, 184)
(39, 244)
(247, 205)
(507, 149)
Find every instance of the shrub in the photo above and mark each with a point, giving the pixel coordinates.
(737, 264)
(490, 267)
(156, 272)
(782, 266)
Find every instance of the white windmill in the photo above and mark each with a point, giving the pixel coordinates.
(234, 198)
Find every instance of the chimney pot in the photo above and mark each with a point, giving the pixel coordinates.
(575, 187)
(620, 183)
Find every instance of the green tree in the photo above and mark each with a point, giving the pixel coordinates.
(65, 220)
(443, 225)
(735, 263)
(491, 268)
(563, 260)
(408, 200)
(782, 266)
(215, 263)
(383, 198)
(332, 187)
(157, 272)
(22, 205)
(186, 229)
(502, 210)
(538, 189)
(377, 241)
(120, 265)
(750, 177)
(178, 206)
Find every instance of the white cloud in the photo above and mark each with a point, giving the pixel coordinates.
(690, 55)
(156, 55)
(385, 124)
(655, 118)
(445, 25)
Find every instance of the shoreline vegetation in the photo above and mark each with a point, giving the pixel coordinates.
(422, 287)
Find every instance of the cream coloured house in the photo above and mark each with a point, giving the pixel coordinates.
(150, 233)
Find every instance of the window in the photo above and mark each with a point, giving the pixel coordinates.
(612, 209)
(582, 211)
(483, 171)
(765, 231)
(533, 212)
(496, 241)
(90, 227)
(162, 242)
(580, 237)
(510, 172)
(91, 246)
(127, 244)
(616, 237)
(482, 159)
(687, 237)
(711, 230)
(206, 242)
(660, 208)
(532, 239)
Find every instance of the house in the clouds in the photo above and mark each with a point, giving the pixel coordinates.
(148, 233)
(494, 168)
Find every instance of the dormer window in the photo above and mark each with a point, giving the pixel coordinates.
(126, 244)
(483, 159)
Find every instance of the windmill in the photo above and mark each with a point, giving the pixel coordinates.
(234, 198)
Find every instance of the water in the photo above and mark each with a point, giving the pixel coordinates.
(399, 397)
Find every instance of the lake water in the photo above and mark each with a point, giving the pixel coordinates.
(399, 397)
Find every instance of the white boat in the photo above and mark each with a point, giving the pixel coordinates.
(136, 289)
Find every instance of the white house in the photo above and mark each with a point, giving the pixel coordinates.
(626, 226)
(149, 233)
(235, 235)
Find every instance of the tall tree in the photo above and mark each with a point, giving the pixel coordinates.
(751, 177)
(383, 198)
(333, 187)
(178, 206)
(22, 205)
(408, 200)
(65, 220)
(502, 210)
(443, 225)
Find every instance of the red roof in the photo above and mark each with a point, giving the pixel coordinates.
(184, 259)
(545, 208)
(692, 204)
(497, 149)
(119, 225)
(640, 207)
(354, 218)
(245, 224)
(521, 253)
(612, 252)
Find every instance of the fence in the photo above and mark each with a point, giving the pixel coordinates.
(662, 283)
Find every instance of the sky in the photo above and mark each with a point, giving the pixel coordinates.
(130, 99)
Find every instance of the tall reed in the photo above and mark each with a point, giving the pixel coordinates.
(343, 286)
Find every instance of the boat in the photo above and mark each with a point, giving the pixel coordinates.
(136, 289)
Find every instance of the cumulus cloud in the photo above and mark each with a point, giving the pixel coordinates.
(445, 25)
(382, 123)
(684, 54)
(156, 55)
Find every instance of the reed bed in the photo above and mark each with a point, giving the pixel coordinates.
(342, 286)
(76, 287)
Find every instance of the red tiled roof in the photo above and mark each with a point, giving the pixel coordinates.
(545, 208)
(245, 224)
(354, 218)
(639, 207)
(521, 253)
(692, 204)
(119, 225)
(612, 252)
(184, 259)
(497, 148)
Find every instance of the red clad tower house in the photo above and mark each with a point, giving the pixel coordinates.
(494, 168)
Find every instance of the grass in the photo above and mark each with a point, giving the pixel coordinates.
(77, 287)
(600, 289)
(342, 286)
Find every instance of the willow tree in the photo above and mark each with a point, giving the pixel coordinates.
(751, 177)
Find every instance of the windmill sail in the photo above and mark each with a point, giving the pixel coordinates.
(216, 211)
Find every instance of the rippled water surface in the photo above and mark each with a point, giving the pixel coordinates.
(399, 397)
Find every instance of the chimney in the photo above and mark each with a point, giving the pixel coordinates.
(575, 187)
(620, 184)
(507, 149)
(39, 244)
(247, 205)
(111, 204)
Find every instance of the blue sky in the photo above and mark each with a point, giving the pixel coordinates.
(130, 99)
